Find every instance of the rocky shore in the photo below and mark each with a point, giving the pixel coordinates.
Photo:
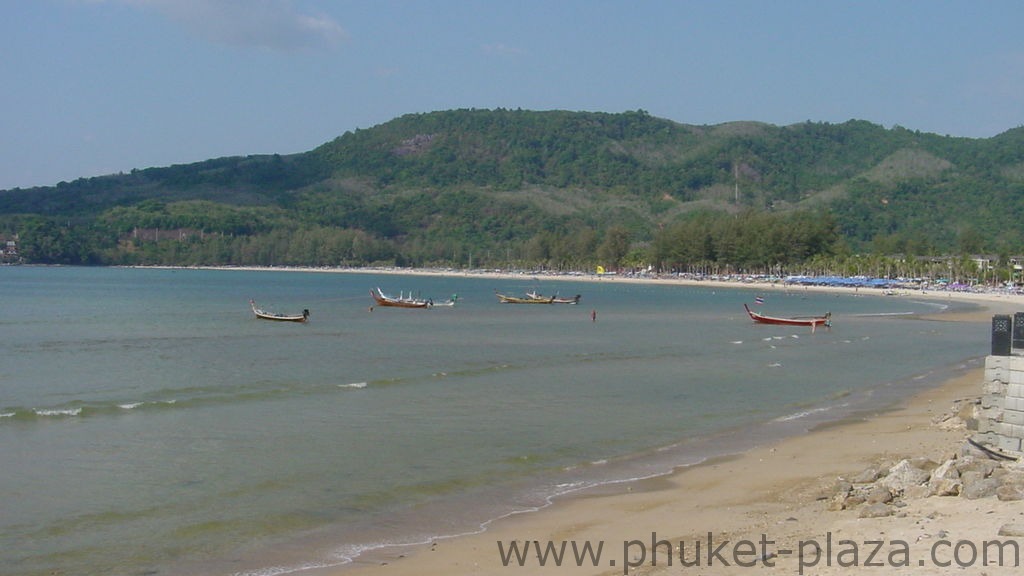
(972, 472)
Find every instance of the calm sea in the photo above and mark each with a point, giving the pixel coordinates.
(149, 424)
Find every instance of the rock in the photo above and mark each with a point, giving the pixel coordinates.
(976, 485)
(842, 501)
(842, 487)
(975, 464)
(945, 480)
(917, 492)
(1010, 492)
(867, 476)
(968, 414)
(947, 470)
(1013, 476)
(875, 511)
(837, 503)
(902, 475)
(945, 487)
(1012, 530)
(878, 494)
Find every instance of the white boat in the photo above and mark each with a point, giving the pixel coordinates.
(264, 315)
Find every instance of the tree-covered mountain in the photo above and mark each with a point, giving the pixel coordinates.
(555, 189)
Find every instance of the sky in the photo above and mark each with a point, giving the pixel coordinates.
(94, 87)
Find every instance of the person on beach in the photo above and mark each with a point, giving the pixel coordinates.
(593, 315)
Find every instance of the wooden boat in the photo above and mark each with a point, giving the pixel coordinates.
(400, 301)
(574, 300)
(527, 300)
(812, 321)
(264, 315)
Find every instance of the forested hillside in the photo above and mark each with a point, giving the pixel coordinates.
(560, 190)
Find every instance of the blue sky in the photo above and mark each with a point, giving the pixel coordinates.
(92, 87)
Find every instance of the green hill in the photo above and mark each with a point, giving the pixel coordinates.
(556, 189)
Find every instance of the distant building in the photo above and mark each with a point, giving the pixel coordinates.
(9, 249)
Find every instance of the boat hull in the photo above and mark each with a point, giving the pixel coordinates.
(384, 300)
(812, 322)
(517, 300)
(542, 299)
(263, 315)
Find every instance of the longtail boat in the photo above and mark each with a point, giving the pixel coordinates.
(264, 315)
(811, 321)
(399, 302)
(558, 300)
(527, 300)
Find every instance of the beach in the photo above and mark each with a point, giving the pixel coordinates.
(775, 492)
(770, 508)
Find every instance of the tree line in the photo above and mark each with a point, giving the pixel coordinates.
(557, 190)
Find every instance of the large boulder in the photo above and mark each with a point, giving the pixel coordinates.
(945, 480)
(903, 475)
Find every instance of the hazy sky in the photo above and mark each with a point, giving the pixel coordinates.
(92, 87)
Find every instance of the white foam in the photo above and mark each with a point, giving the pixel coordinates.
(59, 412)
(129, 406)
(353, 385)
(7, 414)
(279, 570)
(803, 414)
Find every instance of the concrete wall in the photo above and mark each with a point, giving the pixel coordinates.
(1001, 422)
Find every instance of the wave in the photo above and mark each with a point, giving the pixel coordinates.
(802, 414)
(180, 398)
(78, 409)
(58, 412)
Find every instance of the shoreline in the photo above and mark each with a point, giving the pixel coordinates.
(1003, 302)
(778, 491)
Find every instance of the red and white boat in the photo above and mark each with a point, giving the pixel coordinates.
(811, 321)
(401, 301)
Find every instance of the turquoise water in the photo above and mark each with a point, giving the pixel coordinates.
(149, 424)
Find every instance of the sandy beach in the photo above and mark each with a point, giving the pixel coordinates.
(770, 509)
(993, 302)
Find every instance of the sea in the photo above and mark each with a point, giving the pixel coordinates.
(150, 424)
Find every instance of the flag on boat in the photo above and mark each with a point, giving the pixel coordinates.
(758, 300)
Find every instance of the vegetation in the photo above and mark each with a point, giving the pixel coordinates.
(557, 190)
